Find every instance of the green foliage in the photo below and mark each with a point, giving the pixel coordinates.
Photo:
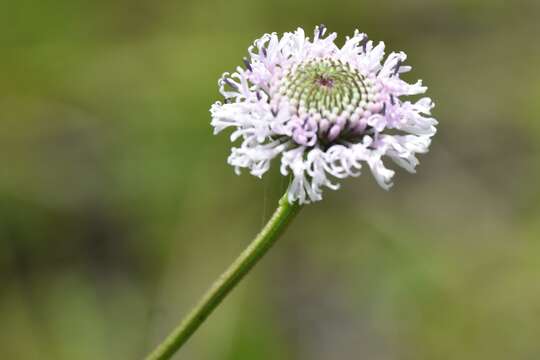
(114, 191)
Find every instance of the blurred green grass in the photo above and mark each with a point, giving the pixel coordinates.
(117, 207)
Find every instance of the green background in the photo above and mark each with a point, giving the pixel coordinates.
(117, 207)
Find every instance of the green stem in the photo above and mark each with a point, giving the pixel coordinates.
(228, 280)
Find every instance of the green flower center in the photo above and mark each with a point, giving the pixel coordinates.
(326, 86)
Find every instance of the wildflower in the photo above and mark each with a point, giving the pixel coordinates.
(323, 110)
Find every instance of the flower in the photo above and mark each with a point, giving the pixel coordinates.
(323, 110)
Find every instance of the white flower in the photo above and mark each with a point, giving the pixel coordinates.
(323, 111)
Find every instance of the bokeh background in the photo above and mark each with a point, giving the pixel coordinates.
(117, 207)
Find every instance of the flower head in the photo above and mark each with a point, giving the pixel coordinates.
(323, 110)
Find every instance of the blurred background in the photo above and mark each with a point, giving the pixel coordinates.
(117, 207)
